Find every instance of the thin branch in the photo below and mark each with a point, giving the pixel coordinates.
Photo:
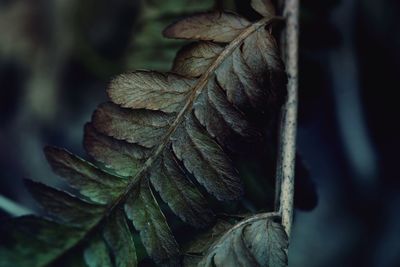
(13, 208)
(288, 124)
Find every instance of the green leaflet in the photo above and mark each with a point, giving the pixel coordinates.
(122, 157)
(65, 207)
(34, 241)
(96, 254)
(202, 156)
(180, 193)
(119, 238)
(97, 185)
(141, 207)
(160, 131)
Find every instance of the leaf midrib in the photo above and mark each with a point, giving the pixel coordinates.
(195, 92)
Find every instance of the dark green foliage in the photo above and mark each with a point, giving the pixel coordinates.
(33, 241)
(119, 238)
(160, 132)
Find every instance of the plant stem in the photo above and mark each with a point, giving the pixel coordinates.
(288, 124)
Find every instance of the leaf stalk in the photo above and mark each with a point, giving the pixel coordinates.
(288, 125)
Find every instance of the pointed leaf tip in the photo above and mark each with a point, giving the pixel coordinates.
(264, 7)
(63, 206)
(143, 210)
(99, 186)
(119, 239)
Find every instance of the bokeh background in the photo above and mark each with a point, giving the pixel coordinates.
(57, 56)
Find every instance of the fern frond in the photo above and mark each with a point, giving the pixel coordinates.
(159, 131)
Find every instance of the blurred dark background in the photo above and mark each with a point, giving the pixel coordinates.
(56, 58)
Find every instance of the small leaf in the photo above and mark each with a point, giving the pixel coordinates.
(96, 254)
(253, 76)
(206, 160)
(256, 241)
(143, 127)
(220, 27)
(124, 158)
(64, 206)
(195, 58)
(141, 207)
(119, 239)
(91, 182)
(185, 200)
(150, 90)
(222, 120)
(264, 7)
